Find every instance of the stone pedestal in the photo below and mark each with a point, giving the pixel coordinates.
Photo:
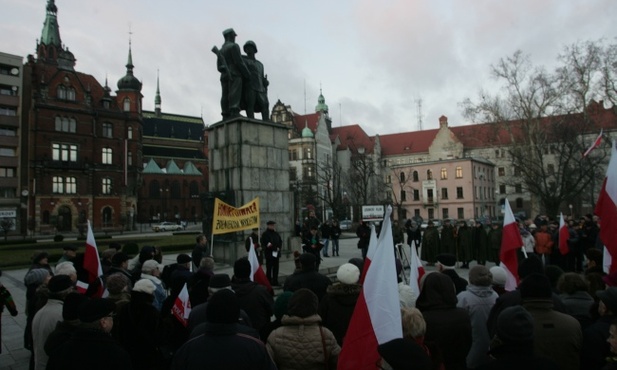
(249, 158)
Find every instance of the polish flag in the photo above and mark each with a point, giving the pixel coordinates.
(370, 252)
(257, 273)
(564, 235)
(377, 316)
(92, 265)
(594, 145)
(182, 306)
(511, 241)
(606, 209)
(416, 272)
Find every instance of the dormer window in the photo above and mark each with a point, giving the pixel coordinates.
(126, 105)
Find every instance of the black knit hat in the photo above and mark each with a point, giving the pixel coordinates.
(531, 264)
(183, 258)
(535, 286)
(59, 283)
(242, 268)
(404, 354)
(515, 326)
(119, 258)
(95, 309)
(70, 308)
(303, 303)
(223, 307)
(219, 281)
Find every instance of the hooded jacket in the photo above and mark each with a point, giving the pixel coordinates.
(337, 306)
(478, 300)
(255, 300)
(446, 325)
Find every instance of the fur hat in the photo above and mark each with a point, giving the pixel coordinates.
(303, 303)
(515, 326)
(36, 276)
(223, 307)
(447, 260)
(480, 275)
(535, 286)
(149, 266)
(95, 309)
(70, 308)
(144, 286)
(242, 268)
(499, 275)
(219, 281)
(59, 283)
(404, 354)
(183, 258)
(348, 273)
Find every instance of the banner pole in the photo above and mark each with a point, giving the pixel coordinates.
(211, 245)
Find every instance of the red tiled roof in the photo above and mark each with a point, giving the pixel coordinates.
(311, 120)
(352, 137)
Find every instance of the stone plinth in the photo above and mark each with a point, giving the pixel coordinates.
(249, 158)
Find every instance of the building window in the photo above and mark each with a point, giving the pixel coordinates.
(8, 111)
(388, 179)
(308, 153)
(64, 152)
(61, 92)
(519, 202)
(293, 155)
(106, 185)
(518, 188)
(70, 94)
(415, 176)
(501, 171)
(7, 171)
(129, 158)
(8, 131)
(126, 105)
(416, 212)
(416, 194)
(460, 213)
(445, 213)
(64, 185)
(129, 133)
(7, 152)
(444, 193)
(106, 156)
(459, 172)
(293, 174)
(65, 124)
(444, 173)
(402, 177)
(431, 213)
(429, 174)
(550, 169)
(106, 214)
(108, 130)
(502, 189)
(459, 192)
(309, 173)
(403, 196)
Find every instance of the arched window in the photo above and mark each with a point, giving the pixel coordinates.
(61, 92)
(70, 94)
(129, 133)
(107, 155)
(194, 188)
(444, 173)
(415, 176)
(402, 177)
(126, 105)
(108, 130)
(175, 190)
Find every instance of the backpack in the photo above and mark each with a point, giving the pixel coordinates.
(166, 274)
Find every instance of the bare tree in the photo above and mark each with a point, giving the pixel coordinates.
(400, 187)
(329, 175)
(542, 117)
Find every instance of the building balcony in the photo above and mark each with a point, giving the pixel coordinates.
(12, 121)
(9, 100)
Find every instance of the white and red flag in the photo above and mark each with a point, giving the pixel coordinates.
(596, 143)
(416, 271)
(370, 252)
(92, 265)
(377, 316)
(606, 209)
(257, 273)
(182, 306)
(564, 235)
(511, 242)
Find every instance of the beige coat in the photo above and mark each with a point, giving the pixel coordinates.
(297, 345)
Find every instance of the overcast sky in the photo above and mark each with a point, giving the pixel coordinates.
(373, 59)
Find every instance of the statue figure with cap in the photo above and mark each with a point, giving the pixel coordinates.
(233, 71)
(255, 89)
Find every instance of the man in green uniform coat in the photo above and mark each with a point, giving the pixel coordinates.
(479, 243)
(448, 238)
(465, 254)
(494, 242)
(430, 244)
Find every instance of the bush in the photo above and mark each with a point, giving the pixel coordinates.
(58, 237)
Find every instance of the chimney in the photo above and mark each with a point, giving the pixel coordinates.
(443, 122)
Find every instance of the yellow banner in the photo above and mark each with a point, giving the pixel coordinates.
(227, 219)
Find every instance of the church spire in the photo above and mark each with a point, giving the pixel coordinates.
(129, 82)
(51, 30)
(157, 97)
(321, 103)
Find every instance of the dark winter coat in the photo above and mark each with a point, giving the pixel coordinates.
(63, 332)
(197, 285)
(595, 348)
(430, 245)
(446, 325)
(465, 250)
(255, 300)
(273, 238)
(337, 306)
(312, 280)
(90, 349)
(448, 242)
(222, 348)
(479, 244)
(459, 283)
(517, 359)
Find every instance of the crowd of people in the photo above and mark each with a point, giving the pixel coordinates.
(563, 314)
